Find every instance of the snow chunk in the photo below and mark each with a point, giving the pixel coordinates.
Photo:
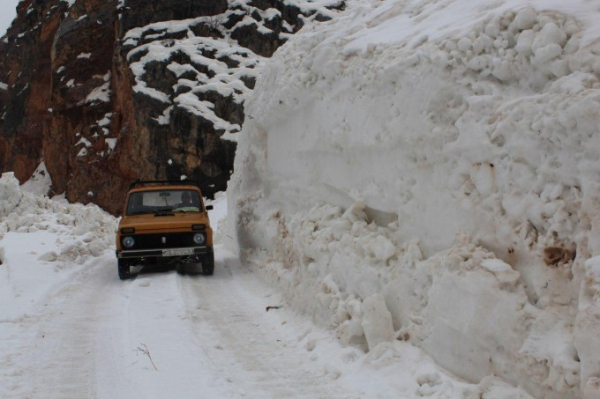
(376, 321)
(550, 34)
(10, 193)
(525, 42)
(503, 271)
(383, 248)
(525, 18)
(464, 44)
(547, 53)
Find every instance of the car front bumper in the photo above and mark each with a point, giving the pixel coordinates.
(164, 253)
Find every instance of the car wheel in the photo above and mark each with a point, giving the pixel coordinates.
(181, 268)
(208, 264)
(124, 272)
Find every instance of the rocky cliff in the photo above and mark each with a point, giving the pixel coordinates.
(106, 92)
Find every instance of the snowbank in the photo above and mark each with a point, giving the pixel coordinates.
(37, 230)
(445, 157)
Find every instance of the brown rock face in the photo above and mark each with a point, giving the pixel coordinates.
(78, 132)
(25, 69)
(138, 13)
(109, 91)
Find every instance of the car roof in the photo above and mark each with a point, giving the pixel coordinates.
(169, 187)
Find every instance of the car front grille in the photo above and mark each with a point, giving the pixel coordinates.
(160, 241)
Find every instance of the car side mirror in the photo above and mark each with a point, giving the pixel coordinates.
(209, 207)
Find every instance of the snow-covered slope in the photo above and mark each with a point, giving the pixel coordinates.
(435, 164)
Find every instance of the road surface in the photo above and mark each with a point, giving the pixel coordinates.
(161, 334)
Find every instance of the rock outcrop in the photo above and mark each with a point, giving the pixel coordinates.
(106, 92)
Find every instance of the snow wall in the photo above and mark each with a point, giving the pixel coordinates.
(436, 165)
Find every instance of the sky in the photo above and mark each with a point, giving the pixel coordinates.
(8, 11)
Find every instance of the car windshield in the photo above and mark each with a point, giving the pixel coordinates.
(163, 201)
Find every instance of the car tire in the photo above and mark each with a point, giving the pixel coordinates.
(208, 264)
(124, 269)
(180, 268)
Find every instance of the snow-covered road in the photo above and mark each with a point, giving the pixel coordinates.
(207, 337)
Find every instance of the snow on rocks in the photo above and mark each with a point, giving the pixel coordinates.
(464, 137)
(211, 65)
(214, 60)
(101, 93)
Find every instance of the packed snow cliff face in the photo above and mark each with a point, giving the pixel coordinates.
(429, 172)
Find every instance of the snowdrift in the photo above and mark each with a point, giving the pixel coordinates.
(36, 230)
(428, 172)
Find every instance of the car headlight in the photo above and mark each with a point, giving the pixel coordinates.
(199, 238)
(128, 242)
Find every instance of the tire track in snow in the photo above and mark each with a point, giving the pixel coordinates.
(55, 349)
(209, 337)
(258, 355)
(84, 341)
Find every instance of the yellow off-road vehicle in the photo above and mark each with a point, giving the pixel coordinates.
(165, 222)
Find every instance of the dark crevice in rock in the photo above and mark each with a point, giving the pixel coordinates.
(204, 29)
(264, 44)
(224, 107)
(159, 77)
